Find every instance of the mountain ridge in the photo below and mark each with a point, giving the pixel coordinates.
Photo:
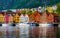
(15, 4)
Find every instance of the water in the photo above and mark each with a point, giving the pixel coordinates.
(5, 30)
(16, 32)
(47, 31)
(24, 30)
(30, 30)
(1, 32)
(11, 30)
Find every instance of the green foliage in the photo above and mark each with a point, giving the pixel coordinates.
(28, 11)
(58, 8)
(16, 4)
(23, 11)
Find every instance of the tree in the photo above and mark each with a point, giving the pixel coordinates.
(58, 9)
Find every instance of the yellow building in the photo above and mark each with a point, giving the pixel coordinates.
(16, 18)
(1, 18)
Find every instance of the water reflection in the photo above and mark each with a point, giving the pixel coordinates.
(28, 30)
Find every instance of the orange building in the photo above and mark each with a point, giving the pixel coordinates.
(38, 18)
(51, 18)
(44, 17)
(32, 18)
(11, 18)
